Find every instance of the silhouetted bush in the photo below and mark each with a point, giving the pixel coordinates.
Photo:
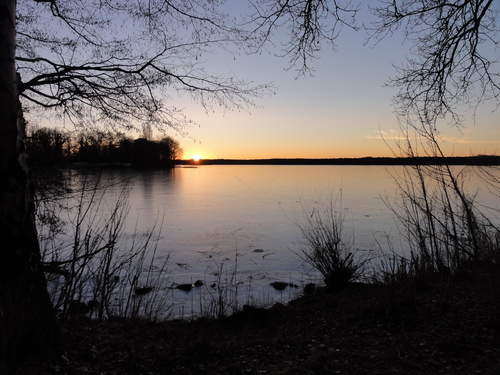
(327, 247)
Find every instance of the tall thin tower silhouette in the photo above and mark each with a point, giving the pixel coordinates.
(147, 132)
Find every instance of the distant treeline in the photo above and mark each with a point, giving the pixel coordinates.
(459, 160)
(55, 147)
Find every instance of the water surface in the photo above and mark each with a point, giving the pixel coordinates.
(218, 219)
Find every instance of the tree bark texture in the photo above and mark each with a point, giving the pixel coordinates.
(27, 321)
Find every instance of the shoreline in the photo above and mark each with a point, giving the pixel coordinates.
(409, 328)
(479, 160)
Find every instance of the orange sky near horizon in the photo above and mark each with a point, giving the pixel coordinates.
(291, 133)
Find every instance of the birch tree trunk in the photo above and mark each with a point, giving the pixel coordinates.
(27, 321)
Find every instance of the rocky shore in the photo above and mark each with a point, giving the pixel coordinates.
(446, 327)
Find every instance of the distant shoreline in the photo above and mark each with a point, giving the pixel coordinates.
(485, 160)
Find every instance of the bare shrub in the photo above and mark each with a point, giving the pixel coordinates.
(443, 225)
(327, 246)
(446, 230)
(221, 297)
(94, 268)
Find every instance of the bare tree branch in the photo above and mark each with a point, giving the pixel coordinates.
(122, 62)
(310, 24)
(455, 56)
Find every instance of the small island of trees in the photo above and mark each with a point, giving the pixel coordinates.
(52, 146)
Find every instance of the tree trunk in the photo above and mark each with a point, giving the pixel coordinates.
(27, 321)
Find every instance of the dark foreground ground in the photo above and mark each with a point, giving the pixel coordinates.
(365, 329)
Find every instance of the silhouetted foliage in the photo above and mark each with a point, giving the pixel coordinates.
(66, 59)
(454, 64)
(48, 146)
(54, 147)
(310, 24)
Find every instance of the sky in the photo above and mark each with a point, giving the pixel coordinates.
(343, 110)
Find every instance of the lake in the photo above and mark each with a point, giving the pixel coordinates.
(237, 223)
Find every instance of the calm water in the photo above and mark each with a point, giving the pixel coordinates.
(243, 217)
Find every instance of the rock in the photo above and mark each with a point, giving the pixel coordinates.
(93, 304)
(309, 288)
(279, 285)
(140, 291)
(76, 307)
(184, 287)
(278, 306)
(249, 309)
(198, 283)
(258, 251)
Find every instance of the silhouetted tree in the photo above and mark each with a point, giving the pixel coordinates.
(170, 150)
(144, 153)
(454, 64)
(310, 24)
(90, 61)
(454, 45)
(125, 150)
(70, 62)
(26, 318)
(48, 146)
(95, 146)
(155, 153)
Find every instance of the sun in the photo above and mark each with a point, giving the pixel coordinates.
(196, 157)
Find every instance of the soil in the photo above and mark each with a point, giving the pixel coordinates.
(439, 328)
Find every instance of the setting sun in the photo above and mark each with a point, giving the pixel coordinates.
(196, 157)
